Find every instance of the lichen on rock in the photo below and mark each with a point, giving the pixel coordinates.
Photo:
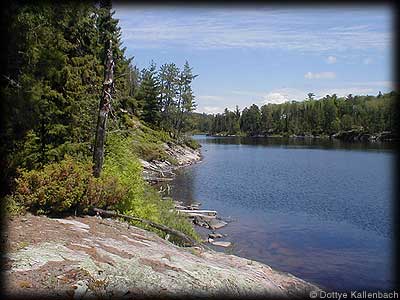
(112, 260)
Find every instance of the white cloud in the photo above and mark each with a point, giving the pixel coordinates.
(321, 75)
(247, 93)
(283, 95)
(331, 59)
(275, 97)
(155, 27)
(210, 104)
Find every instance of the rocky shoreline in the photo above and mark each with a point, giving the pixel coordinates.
(158, 171)
(360, 136)
(94, 257)
(163, 171)
(207, 219)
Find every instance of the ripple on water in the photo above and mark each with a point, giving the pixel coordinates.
(321, 212)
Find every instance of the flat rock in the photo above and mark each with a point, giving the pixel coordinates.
(113, 260)
(79, 226)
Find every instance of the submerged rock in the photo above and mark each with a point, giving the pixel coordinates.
(215, 235)
(210, 222)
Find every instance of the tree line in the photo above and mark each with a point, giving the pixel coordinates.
(325, 116)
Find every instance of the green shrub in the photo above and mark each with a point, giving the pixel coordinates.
(171, 218)
(149, 151)
(147, 143)
(11, 207)
(122, 163)
(188, 141)
(65, 187)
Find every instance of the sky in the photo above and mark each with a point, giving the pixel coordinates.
(265, 54)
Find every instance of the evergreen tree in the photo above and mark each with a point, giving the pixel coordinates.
(251, 120)
(148, 96)
(185, 103)
(266, 118)
(168, 78)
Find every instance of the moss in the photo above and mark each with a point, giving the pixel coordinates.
(22, 245)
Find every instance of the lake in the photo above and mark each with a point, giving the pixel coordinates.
(319, 209)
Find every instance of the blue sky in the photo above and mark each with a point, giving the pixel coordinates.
(265, 54)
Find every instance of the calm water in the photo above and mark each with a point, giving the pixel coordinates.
(320, 210)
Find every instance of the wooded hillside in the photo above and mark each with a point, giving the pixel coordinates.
(78, 114)
(328, 115)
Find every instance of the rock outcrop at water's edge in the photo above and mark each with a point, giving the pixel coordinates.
(360, 136)
(86, 257)
(158, 171)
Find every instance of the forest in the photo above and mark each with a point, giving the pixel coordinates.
(78, 114)
(326, 116)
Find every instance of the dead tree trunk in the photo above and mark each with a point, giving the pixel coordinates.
(186, 239)
(104, 108)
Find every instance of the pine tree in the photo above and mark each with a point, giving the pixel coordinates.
(148, 95)
(168, 78)
(186, 103)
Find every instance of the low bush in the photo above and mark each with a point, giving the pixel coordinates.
(149, 151)
(65, 187)
(188, 141)
(11, 207)
(147, 143)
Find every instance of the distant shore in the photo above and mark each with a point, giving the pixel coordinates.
(349, 136)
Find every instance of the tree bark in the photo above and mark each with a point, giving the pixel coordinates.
(104, 108)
